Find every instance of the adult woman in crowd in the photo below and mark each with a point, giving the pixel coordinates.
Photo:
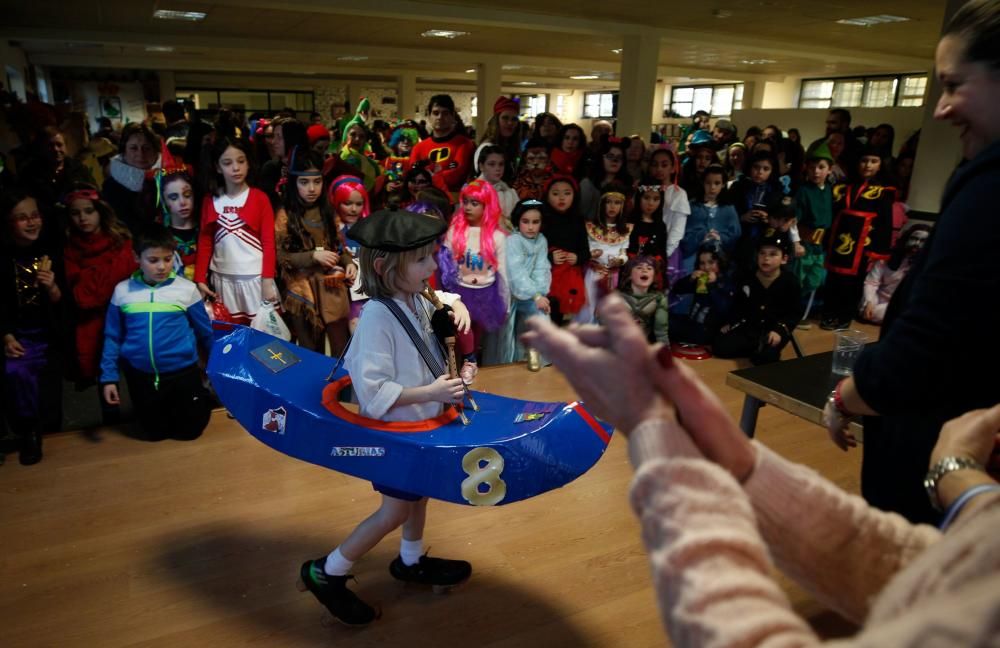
(503, 130)
(915, 379)
(53, 170)
(130, 189)
(547, 127)
(287, 133)
(715, 508)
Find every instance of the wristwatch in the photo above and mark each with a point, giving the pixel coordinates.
(942, 468)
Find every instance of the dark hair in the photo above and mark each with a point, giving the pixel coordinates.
(173, 110)
(9, 199)
(899, 250)
(977, 22)
(636, 215)
(153, 236)
(192, 148)
(768, 156)
(213, 184)
(524, 206)
(138, 128)
(843, 113)
(714, 169)
(565, 129)
(293, 132)
(715, 249)
(597, 172)
(299, 239)
(109, 223)
(540, 118)
(621, 225)
(443, 100)
(488, 150)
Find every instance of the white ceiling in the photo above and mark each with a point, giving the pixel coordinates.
(536, 40)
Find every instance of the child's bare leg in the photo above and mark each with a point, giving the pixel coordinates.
(413, 528)
(389, 516)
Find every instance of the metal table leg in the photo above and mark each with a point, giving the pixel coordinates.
(748, 419)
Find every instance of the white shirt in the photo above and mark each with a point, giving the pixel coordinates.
(383, 361)
(676, 209)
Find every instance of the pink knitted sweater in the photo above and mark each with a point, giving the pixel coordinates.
(711, 544)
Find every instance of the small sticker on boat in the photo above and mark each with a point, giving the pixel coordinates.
(357, 451)
(275, 356)
(274, 420)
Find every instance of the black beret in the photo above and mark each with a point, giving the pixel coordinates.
(394, 230)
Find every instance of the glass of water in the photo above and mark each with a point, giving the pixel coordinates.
(847, 347)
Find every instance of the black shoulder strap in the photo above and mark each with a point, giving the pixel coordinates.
(425, 353)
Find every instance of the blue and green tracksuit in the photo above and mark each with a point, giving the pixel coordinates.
(155, 329)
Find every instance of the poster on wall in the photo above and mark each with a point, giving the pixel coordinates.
(111, 107)
(121, 103)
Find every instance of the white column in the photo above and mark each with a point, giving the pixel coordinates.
(940, 149)
(406, 96)
(168, 85)
(640, 60)
(487, 91)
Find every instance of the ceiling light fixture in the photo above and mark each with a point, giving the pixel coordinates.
(443, 33)
(524, 83)
(159, 48)
(512, 67)
(722, 13)
(352, 58)
(471, 71)
(757, 61)
(868, 21)
(585, 77)
(617, 50)
(189, 16)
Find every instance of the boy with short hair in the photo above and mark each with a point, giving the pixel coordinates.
(154, 325)
(814, 214)
(765, 308)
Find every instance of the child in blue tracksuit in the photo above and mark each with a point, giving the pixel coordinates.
(154, 325)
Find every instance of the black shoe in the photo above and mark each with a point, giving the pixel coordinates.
(332, 592)
(844, 324)
(439, 572)
(828, 324)
(31, 449)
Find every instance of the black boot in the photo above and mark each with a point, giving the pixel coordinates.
(439, 572)
(31, 448)
(332, 592)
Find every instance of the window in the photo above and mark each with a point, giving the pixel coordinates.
(717, 100)
(531, 105)
(474, 107)
(912, 92)
(870, 92)
(266, 101)
(600, 105)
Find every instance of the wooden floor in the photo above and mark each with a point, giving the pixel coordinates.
(126, 543)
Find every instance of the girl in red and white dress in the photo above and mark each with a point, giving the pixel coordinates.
(236, 241)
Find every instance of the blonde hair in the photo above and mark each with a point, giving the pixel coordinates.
(394, 265)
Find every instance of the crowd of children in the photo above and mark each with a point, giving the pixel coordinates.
(730, 243)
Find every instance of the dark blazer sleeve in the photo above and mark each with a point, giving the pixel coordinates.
(941, 351)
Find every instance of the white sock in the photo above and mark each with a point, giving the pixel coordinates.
(336, 564)
(411, 550)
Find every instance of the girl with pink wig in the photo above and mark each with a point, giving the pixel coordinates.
(349, 201)
(473, 264)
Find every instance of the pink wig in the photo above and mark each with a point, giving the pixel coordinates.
(483, 192)
(340, 190)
